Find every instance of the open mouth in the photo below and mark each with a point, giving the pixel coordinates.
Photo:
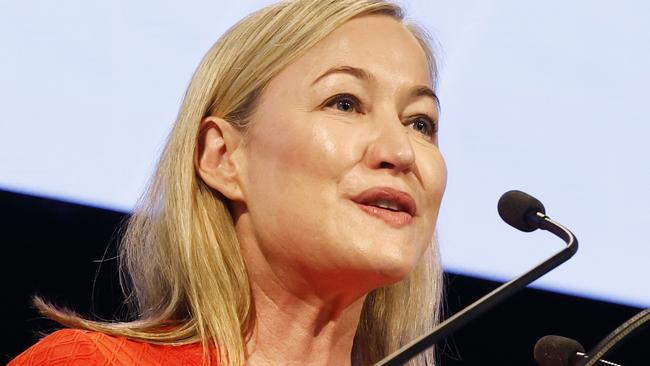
(394, 207)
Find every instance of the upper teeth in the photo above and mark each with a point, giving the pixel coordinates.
(386, 204)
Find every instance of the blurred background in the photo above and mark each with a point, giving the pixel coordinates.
(546, 97)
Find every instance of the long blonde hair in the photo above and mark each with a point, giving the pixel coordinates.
(180, 261)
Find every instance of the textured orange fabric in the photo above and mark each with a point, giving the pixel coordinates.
(85, 348)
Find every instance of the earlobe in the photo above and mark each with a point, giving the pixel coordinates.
(216, 159)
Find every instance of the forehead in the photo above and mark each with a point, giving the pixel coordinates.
(378, 44)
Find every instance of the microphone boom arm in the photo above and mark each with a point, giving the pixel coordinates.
(461, 318)
(632, 326)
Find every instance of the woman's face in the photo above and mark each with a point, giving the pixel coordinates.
(342, 176)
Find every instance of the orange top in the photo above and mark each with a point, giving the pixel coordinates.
(77, 347)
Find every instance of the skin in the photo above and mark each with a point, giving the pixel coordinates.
(312, 253)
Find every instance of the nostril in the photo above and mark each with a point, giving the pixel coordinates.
(386, 165)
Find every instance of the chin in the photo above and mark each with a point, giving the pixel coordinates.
(394, 268)
(396, 274)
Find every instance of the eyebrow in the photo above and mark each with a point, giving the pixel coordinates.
(354, 71)
(418, 91)
(425, 91)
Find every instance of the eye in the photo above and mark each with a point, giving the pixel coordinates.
(424, 125)
(344, 103)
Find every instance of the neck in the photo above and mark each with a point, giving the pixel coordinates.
(299, 331)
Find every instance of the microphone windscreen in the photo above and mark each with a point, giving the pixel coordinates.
(515, 207)
(552, 350)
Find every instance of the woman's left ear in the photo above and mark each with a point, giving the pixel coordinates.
(218, 155)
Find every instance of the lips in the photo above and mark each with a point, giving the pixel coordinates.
(394, 207)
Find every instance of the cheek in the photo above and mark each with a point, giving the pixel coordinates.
(434, 180)
(292, 186)
(303, 151)
(294, 165)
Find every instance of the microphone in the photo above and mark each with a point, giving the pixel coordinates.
(525, 213)
(553, 350)
(520, 210)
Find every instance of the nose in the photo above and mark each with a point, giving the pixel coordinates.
(391, 147)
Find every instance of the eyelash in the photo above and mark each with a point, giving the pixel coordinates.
(335, 100)
(355, 104)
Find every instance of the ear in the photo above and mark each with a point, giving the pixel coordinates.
(216, 160)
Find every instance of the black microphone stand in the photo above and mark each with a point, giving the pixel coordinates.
(632, 326)
(483, 304)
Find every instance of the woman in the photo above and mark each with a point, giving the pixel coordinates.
(291, 216)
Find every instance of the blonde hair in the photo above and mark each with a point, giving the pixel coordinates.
(180, 261)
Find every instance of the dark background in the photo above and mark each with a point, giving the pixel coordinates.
(55, 249)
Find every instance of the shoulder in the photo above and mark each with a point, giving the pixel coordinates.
(70, 347)
(75, 347)
(63, 347)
